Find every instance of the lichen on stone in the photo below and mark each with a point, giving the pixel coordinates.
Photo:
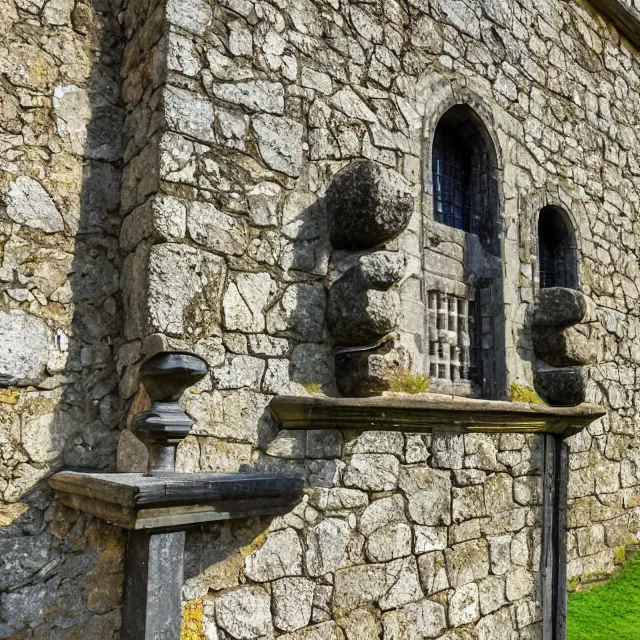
(192, 621)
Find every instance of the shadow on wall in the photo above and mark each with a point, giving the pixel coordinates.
(60, 572)
(215, 554)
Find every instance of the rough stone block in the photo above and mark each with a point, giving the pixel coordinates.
(324, 443)
(381, 513)
(433, 572)
(280, 556)
(569, 346)
(360, 624)
(389, 542)
(358, 585)
(464, 605)
(402, 584)
(288, 444)
(367, 373)
(30, 205)
(561, 307)
(416, 621)
(428, 493)
(467, 562)
(357, 314)
(326, 546)
(245, 613)
(372, 472)
(292, 602)
(280, 142)
(562, 387)
(185, 290)
(25, 345)
(367, 205)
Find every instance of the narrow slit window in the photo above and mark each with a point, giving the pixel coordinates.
(556, 250)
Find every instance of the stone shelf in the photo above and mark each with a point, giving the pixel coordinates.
(430, 412)
(178, 500)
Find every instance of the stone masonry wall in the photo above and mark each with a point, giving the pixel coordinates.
(60, 310)
(399, 536)
(224, 123)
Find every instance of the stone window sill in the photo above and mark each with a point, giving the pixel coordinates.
(430, 412)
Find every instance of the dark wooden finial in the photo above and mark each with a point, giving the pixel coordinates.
(165, 377)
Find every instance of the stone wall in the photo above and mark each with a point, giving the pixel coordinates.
(399, 536)
(224, 124)
(60, 310)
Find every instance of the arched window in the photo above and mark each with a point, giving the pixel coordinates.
(465, 192)
(463, 273)
(556, 250)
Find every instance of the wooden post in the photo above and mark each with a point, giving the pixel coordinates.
(154, 573)
(553, 560)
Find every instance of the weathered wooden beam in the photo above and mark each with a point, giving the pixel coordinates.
(430, 412)
(553, 559)
(624, 17)
(136, 501)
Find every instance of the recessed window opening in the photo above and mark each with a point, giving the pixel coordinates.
(465, 193)
(464, 354)
(556, 253)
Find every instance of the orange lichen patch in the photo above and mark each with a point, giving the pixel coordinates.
(255, 544)
(11, 512)
(9, 395)
(192, 625)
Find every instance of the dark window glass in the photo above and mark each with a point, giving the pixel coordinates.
(451, 181)
(554, 250)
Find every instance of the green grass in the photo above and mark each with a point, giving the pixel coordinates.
(610, 611)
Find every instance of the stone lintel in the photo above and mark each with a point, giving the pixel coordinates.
(624, 17)
(430, 412)
(136, 501)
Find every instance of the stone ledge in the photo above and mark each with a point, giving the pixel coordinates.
(136, 501)
(430, 412)
(625, 18)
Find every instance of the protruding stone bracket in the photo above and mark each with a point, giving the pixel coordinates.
(430, 412)
(368, 206)
(567, 336)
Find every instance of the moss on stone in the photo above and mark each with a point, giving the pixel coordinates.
(314, 388)
(404, 381)
(620, 555)
(521, 393)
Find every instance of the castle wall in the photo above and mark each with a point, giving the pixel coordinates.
(60, 311)
(224, 124)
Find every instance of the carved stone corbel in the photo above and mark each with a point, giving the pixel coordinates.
(368, 206)
(567, 336)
